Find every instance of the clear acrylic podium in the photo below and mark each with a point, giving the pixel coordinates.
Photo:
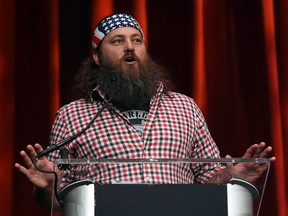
(82, 193)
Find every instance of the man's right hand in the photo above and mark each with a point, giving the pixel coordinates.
(39, 179)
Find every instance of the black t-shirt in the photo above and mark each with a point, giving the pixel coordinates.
(136, 115)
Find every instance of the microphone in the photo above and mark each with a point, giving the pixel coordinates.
(69, 139)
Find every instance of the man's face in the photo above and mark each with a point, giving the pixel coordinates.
(123, 57)
(122, 46)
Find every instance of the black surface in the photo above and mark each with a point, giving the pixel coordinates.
(166, 200)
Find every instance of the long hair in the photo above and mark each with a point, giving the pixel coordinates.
(86, 78)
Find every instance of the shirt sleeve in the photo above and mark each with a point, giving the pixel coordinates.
(58, 133)
(204, 147)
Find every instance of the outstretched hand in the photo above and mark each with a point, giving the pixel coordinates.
(37, 178)
(251, 172)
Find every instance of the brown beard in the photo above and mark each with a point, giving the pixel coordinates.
(134, 85)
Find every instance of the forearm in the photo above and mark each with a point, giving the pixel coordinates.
(221, 177)
(46, 198)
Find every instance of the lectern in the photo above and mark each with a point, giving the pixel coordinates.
(82, 196)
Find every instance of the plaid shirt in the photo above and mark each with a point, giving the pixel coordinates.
(175, 128)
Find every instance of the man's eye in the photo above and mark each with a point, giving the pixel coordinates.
(137, 40)
(117, 41)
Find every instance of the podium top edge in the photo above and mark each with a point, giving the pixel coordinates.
(160, 160)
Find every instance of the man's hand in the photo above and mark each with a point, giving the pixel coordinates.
(251, 172)
(42, 181)
(39, 179)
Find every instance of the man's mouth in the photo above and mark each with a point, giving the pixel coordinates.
(129, 59)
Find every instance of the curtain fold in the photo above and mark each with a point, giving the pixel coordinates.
(229, 55)
(100, 9)
(281, 26)
(199, 90)
(140, 11)
(7, 104)
(54, 60)
(274, 98)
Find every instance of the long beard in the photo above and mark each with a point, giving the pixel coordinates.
(134, 85)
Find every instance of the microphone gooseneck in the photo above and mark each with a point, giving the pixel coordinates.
(69, 139)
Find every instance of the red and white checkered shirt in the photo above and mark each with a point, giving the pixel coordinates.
(175, 128)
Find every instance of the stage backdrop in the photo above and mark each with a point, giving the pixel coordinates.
(229, 55)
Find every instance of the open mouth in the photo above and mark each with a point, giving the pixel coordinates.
(129, 59)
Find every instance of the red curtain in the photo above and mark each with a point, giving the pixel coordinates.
(7, 105)
(229, 55)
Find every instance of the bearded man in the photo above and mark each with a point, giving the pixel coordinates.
(140, 118)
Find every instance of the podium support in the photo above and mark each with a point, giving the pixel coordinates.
(78, 199)
(240, 200)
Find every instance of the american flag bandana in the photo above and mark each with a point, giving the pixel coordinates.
(112, 22)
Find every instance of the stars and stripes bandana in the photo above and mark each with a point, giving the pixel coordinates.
(112, 22)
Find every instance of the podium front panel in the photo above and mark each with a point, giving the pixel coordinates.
(161, 200)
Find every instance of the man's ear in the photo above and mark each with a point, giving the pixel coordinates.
(96, 58)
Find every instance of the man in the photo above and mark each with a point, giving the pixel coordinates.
(144, 119)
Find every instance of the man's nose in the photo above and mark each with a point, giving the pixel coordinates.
(129, 46)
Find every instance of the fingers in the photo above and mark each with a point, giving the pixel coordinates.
(22, 169)
(266, 152)
(250, 151)
(26, 159)
(31, 152)
(229, 165)
(34, 150)
(259, 148)
(257, 151)
(272, 159)
(38, 147)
